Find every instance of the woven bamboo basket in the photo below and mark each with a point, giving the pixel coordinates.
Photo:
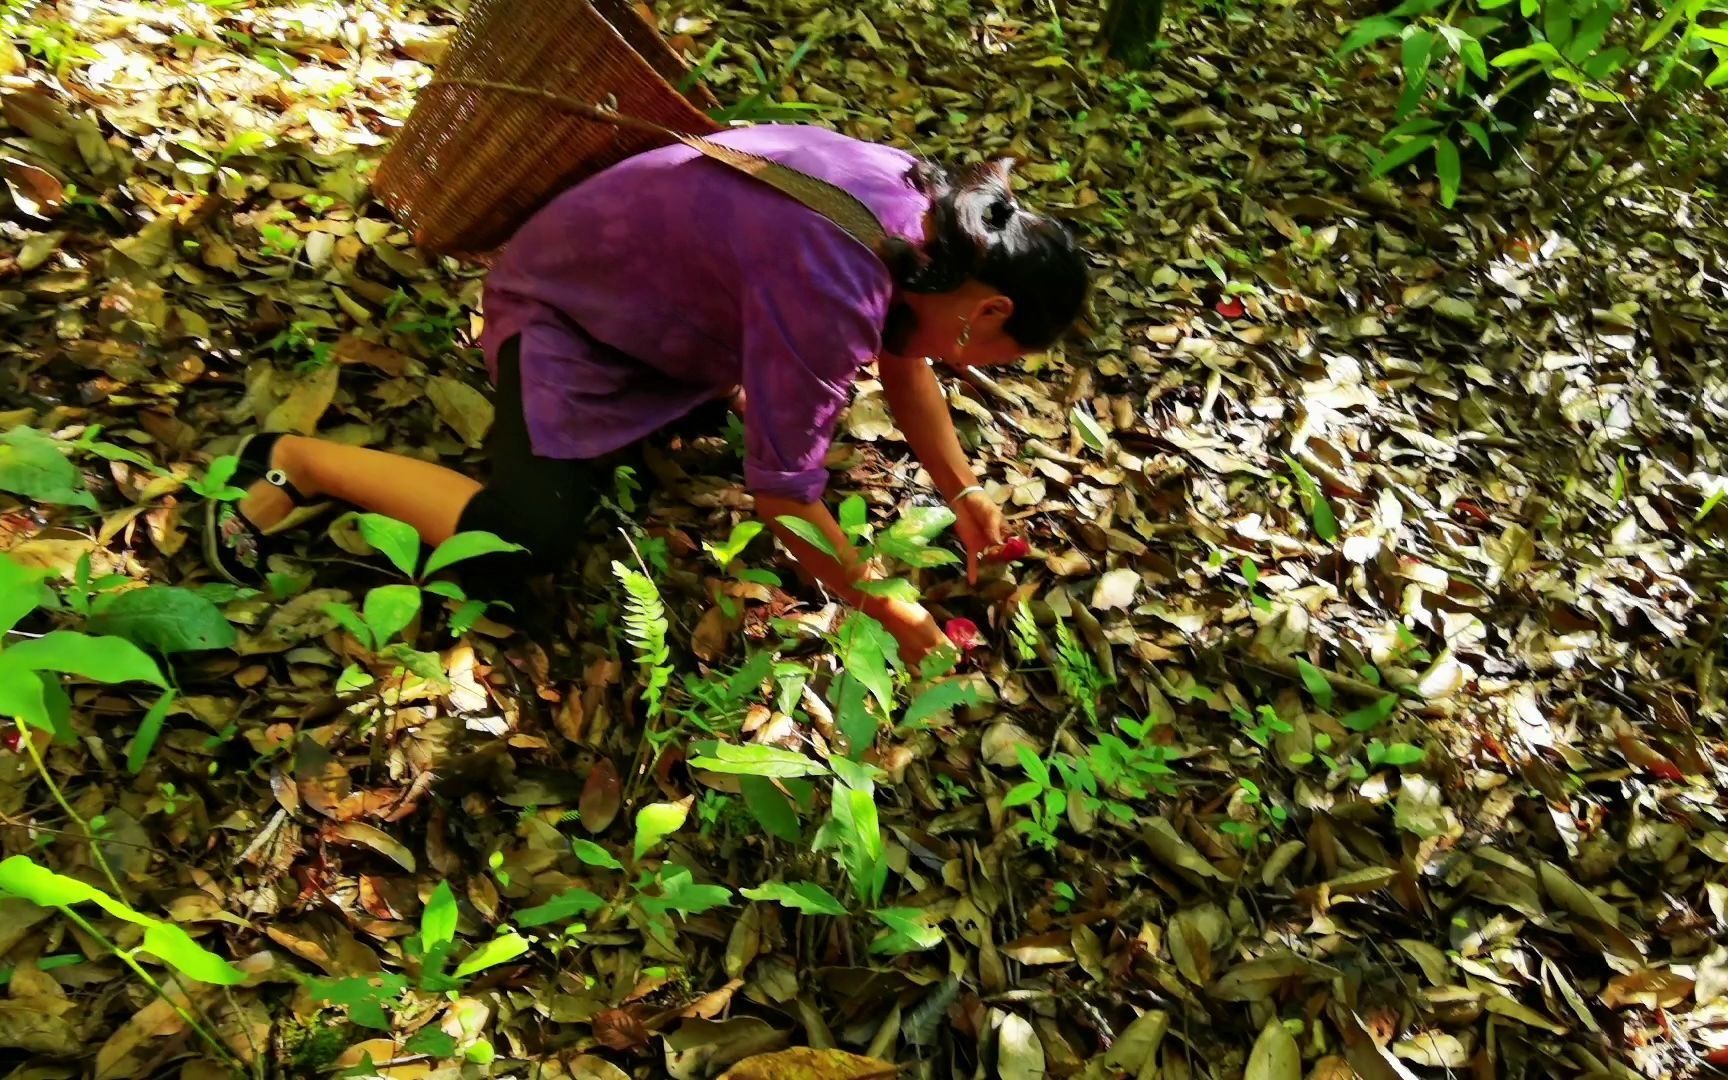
(472, 163)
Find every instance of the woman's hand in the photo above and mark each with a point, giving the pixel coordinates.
(913, 628)
(979, 523)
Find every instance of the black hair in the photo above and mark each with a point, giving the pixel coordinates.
(979, 231)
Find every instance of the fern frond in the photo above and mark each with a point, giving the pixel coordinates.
(1026, 636)
(1077, 673)
(645, 628)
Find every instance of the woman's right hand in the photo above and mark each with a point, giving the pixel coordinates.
(913, 628)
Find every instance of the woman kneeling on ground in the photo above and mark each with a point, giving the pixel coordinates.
(669, 281)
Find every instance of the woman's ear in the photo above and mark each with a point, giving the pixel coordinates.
(993, 311)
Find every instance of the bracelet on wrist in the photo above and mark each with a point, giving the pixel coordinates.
(969, 489)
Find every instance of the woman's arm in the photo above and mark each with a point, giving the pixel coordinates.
(921, 412)
(911, 625)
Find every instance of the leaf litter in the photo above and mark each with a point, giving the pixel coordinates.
(1363, 696)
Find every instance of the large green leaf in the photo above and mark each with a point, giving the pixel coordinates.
(771, 807)
(679, 892)
(865, 648)
(1449, 168)
(438, 921)
(807, 532)
(939, 698)
(467, 545)
(149, 729)
(500, 950)
(805, 896)
(567, 905)
(909, 538)
(1402, 154)
(1368, 31)
(757, 761)
(166, 618)
(103, 659)
(396, 539)
(35, 700)
(390, 608)
(1370, 716)
(32, 465)
(21, 592)
(908, 930)
(22, 877)
(656, 821)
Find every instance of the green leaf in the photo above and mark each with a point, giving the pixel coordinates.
(438, 921)
(432, 1042)
(679, 892)
(909, 930)
(21, 592)
(22, 877)
(1319, 510)
(389, 609)
(1033, 764)
(759, 576)
(771, 807)
(757, 760)
(854, 516)
(892, 588)
(1402, 154)
(32, 465)
(35, 701)
(865, 646)
(166, 618)
(1418, 51)
(594, 855)
(805, 896)
(363, 996)
(858, 722)
(102, 659)
(939, 698)
(1448, 167)
(1318, 687)
(1474, 58)
(1368, 31)
(1719, 76)
(1670, 19)
(462, 546)
(1478, 133)
(500, 950)
(656, 821)
(567, 905)
(1250, 572)
(1397, 754)
(1021, 794)
(742, 533)
(1370, 716)
(807, 532)
(396, 539)
(922, 524)
(1090, 431)
(1540, 52)
(149, 729)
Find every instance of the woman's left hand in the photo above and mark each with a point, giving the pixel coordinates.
(979, 523)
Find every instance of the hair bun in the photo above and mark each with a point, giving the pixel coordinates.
(1001, 212)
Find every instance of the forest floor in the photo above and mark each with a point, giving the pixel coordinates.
(1365, 714)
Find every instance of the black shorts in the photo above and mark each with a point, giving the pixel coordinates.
(539, 502)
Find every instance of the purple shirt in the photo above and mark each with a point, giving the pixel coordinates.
(667, 279)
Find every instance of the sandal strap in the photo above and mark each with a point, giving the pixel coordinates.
(251, 469)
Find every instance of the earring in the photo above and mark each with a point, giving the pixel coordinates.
(965, 337)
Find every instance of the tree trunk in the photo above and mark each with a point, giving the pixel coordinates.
(1131, 27)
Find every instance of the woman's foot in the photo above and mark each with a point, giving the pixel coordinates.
(239, 535)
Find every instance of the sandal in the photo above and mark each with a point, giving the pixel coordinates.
(234, 547)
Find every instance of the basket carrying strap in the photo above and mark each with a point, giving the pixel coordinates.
(835, 203)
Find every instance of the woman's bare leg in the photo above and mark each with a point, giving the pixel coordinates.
(427, 496)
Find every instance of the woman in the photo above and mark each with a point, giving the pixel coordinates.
(668, 281)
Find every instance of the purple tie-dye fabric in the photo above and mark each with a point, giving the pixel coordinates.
(668, 279)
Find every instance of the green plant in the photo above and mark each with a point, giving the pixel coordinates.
(387, 611)
(1249, 834)
(22, 877)
(1475, 71)
(366, 997)
(1262, 724)
(645, 627)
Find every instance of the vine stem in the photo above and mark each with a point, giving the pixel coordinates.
(60, 797)
(36, 759)
(143, 973)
